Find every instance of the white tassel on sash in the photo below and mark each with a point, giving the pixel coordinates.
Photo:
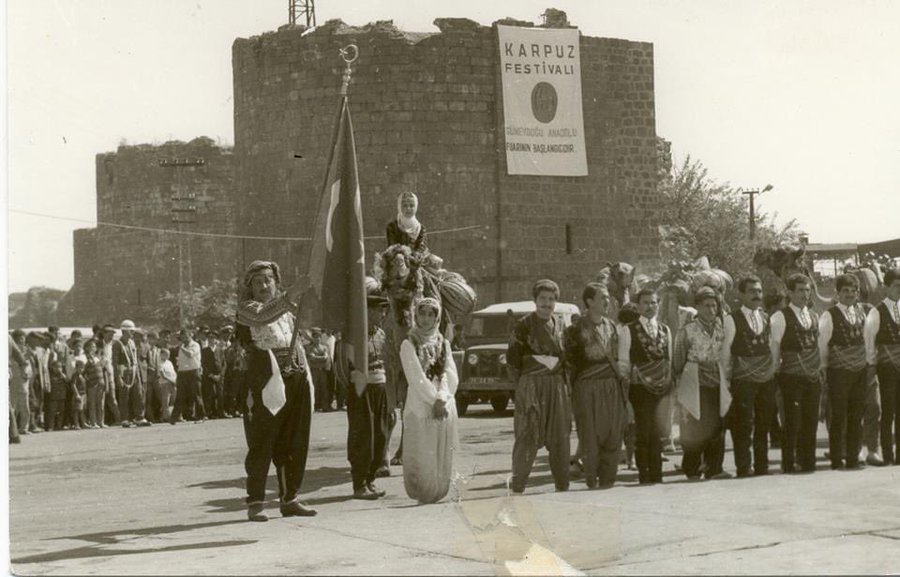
(273, 396)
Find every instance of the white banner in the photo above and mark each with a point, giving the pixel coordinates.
(543, 121)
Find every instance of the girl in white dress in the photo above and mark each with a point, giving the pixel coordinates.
(429, 417)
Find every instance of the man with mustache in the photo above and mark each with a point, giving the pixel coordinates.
(280, 399)
(747, 362)
(543, 416)
(843, 352)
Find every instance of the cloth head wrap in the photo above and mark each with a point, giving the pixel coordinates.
(259, 266)
(410, 226)
(419, 336)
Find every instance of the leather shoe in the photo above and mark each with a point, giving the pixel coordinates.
(365, 494)
(296, 509)
(255, 513)
(875, 460)
(375, 489)
(382, 472)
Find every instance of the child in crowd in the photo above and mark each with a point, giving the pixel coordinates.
(78, 391)
(95, 385)
(59, 385)
(167, 377)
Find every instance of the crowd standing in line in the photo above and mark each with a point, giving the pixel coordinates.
(725, 368)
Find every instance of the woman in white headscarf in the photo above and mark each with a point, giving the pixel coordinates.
(429, 417)
(406, 228)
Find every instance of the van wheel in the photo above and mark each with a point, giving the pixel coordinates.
(499, 403)
(462, 405)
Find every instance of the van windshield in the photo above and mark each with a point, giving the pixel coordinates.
(494, 326)
(500, 326)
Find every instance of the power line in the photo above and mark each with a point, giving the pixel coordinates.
(216, 234)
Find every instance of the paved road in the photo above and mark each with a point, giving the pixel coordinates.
(169, 500)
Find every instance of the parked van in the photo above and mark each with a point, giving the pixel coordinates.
(482, 367)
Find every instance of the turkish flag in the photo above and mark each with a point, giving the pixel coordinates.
(337, 264)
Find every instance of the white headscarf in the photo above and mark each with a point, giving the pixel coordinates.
(410, 226)
(429, 343)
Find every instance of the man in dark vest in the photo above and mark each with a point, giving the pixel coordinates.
(795, 355)
(645, 355)
(747, 360)
(882, 336)
(843, 352)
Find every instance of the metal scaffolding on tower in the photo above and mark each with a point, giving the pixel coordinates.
(300, 8)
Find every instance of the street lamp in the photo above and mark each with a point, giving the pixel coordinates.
(752, 194)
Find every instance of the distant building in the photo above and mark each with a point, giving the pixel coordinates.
(427, 113)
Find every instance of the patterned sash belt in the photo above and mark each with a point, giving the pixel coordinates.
(533, 367)
(287, 361)
(889, 354)
(655, 376)
(805, 363)
(852, 358)
(601, 370)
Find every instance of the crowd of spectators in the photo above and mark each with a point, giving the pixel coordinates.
(129, 377)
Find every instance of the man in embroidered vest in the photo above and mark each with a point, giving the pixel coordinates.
(645, 355)
(747, 360)
(697, 362)
(598, 396)
(543, 416)
(882, 336)
(280, 390)
(843, 352)
(368, 415)
(795, 355)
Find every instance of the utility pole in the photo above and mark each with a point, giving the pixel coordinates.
(184, 211)
(298, 8)
(752, 194)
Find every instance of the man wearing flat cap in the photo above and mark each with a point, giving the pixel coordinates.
(129, 381)
(280, 390)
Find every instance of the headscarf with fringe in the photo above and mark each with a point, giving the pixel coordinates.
(410, 226)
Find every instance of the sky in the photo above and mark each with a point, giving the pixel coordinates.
(798, 94)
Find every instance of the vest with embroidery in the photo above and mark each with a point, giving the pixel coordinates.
(752, 357)
(650, 366)
(800, 346)
(644, 348)
(846, 348)
(887, 339)
(747, 343)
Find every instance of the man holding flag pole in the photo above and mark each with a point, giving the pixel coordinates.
(337, 268)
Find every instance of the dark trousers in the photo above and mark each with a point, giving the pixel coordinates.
(213, 398)
(751, 412)
(368, 434)
(152, 407)
(801, 420)
(649, 416)
(703, 440)
(323, 395)
(847, 393)
(54, 410)
(889, 382)
(282, 438)
(131, 402)
(188, 400)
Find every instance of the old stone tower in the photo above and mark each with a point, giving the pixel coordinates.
(428, 116)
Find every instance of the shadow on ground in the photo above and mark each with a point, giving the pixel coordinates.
(102, 542)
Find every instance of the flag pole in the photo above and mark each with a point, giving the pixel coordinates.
(345, 82)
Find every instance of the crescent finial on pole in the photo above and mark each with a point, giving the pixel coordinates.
(346, 52)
